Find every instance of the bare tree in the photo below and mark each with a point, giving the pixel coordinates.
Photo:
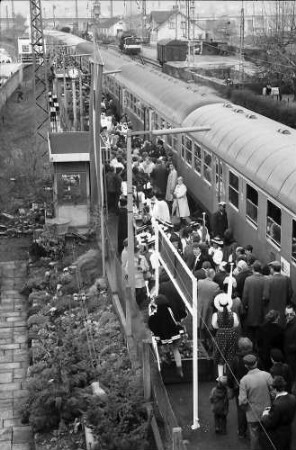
(278, 43)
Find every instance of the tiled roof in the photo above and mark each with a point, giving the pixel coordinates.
(109, 22)
(161, 16)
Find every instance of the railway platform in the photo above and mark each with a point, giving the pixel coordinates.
(13, 358)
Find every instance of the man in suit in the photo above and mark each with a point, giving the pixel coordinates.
(220, 221)
(207, 290)
(254, 396)
(290, 338)
(278, 419)
(278, 291)
(253, 302)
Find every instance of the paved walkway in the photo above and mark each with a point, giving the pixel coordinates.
(13, 358)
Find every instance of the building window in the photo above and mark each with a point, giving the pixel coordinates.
(197, 158)
(171, 24)
(233, 189)
(25, 49)
(188, 151)
(274, 223)
(207, 167)
(183, 25)
(252, 204)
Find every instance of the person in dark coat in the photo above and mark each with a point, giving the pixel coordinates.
(277, 420)
(165, 327)
(220, 221)
(252, 300)
(280, 368)
(159, 176)
(242, 271)
(278, 291)
(237, 371)
(290, 338)
(220, 405)
(229, 246)
(270, 335)
(176, 303)
(122, 224)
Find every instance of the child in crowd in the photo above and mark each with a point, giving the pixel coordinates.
(220, 404)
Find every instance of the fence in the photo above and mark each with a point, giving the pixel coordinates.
(138, 338)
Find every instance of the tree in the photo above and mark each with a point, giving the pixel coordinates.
(278, 43)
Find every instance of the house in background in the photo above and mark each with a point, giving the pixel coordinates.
(112, 27)
(172, 25)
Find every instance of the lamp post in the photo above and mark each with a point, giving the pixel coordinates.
(73, 74)
(131, 264)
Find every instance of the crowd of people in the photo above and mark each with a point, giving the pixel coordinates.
(246, 309)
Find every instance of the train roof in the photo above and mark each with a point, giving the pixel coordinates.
(168, 96)
(67, 38)
(261, 149)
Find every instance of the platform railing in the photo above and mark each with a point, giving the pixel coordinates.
(138, 340)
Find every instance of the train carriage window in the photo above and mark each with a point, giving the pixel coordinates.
(156, 120)
(188, 151)
(207, 167)
(183, 147)
(197, 158)
(169, 136)
(219, 178)
(294, 240)
(233, 189)
(274, 223)
(252, 204)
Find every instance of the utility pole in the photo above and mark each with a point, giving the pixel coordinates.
(40, 86)
(242, 42)
(75, 25)
(111, 8)
(144, 12)
(188, 29)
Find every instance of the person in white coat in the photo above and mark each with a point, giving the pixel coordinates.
(180, 203)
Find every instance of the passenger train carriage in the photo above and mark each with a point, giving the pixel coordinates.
(245, 159)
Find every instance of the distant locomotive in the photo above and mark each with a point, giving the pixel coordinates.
(244, 159)
(130, 44)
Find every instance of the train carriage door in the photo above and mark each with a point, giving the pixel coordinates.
(220, 183)
(150, 119)
(122, 101)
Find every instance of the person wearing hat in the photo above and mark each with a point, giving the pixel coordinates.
(254, 397)
(277, 420)
(226, 323)
(215, 250)
(220, 221)
(278, 291)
